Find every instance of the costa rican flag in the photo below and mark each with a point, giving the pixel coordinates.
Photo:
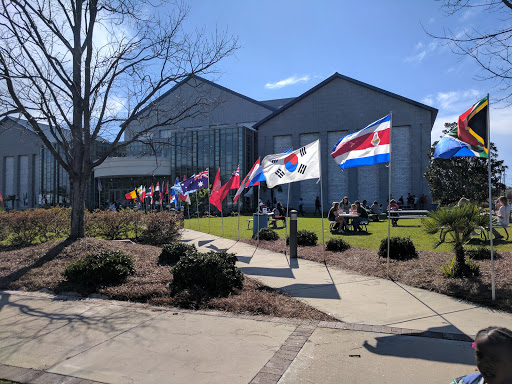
(368, 146)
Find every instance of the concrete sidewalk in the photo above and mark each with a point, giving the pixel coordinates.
(47, 339)
(354, 298)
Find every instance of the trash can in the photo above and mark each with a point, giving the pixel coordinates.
(258, 222)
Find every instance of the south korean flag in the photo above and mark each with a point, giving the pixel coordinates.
(302, 164)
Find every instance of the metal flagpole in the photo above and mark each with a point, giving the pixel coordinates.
(222, 218)
(188, 209)
(259, 213)
(493, 286)
(197, 209)
(286, 218)
(389, 188)
(238, 219)
(99, 193)
(209, 214)
(321, 195)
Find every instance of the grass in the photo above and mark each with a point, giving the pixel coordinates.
(40, 266)
(376, 232)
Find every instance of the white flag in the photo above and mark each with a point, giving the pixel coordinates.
(302, 164)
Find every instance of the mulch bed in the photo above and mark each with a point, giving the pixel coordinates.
(40, 267)
(422, 272)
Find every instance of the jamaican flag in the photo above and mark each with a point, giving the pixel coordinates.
(469, 138)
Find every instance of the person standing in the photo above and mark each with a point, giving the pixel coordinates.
(301, 207)
(318, 206)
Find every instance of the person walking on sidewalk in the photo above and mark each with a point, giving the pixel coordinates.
(318, 206)
(301, 207)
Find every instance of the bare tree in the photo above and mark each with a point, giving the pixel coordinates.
(491, 49)
(76, 65)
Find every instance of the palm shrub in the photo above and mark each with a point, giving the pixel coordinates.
(458, 223)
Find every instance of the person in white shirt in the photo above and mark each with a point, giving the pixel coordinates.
(503, 214)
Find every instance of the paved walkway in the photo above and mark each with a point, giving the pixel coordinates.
(387, 333)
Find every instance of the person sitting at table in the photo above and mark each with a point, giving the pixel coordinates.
(375, 210)
(353, 208)
(333, 216)
(278, 214)
(345, 205)
(361, 218)
(503, 214)
(364, 204)
(393, 206)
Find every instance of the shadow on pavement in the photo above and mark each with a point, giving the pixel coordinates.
(312, 291)
(262, 271)
(424, 348)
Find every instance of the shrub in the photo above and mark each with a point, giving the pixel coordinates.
(401, 248)
(480, 253)
(161, 228)
(337, 245)
(266, 234)
(171, 253)
(450, 268)
(22, 227)
(305, 238)
(213, 274)
(103, 268)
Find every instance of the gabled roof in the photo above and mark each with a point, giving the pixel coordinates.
(349, 79)
(154, 102)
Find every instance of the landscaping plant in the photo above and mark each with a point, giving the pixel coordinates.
(458, 223)
(400, 248)
(266, 234)
(171, 253)
(337, 245)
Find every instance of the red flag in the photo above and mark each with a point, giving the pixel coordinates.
(233, 183)
(184, 197)
(215, 198)
(166, 190)
(1, 200)
(143, 194)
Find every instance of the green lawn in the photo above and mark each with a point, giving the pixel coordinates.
(376, 232)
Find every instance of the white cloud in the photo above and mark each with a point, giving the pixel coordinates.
(288, 81)
(421, 51)
(453, 100)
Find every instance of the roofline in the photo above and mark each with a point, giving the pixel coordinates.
(207, 82)
(336, 75)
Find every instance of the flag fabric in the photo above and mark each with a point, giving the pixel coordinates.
(157, 188)
(175, 191)
(214, 195)
(257, 176)
(99, 185)
(166, 190)
(131, 195)
(185, 197)
(233, 183)
(368, 146)
(195, 182)
(139, 191)
(469, 138)
(302, 164)
(149, 192)
(143, 193)
(246, 180)
(1, 200)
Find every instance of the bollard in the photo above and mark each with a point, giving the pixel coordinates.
(293, 234)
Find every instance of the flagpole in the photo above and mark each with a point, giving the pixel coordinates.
(222, 218)
(209, 214)
(493, 283)
(321, 194)
(239, 219)
(197, 209)
(258, 210)
(389, 190)
(286, 218)
(99, 194)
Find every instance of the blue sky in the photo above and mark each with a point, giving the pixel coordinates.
(287, 47)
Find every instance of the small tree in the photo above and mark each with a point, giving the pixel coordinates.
(458, 223)
(450, 179)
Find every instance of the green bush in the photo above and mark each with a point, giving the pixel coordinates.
(171, 253)
(266, 234)
(103, 268)
(161, 228)
(401, 248)
(450, 269)
(337, 245)
(480, 253)
(305, 238)
(211, 274)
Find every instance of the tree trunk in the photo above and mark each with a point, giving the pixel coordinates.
(78, 192)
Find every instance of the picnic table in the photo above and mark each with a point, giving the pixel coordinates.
(407, 214)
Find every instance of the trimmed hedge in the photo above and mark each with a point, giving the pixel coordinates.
(305, 238)
(171, 253)
(480, 253)
(99, 269)
(214, 273)
(266, 234)
(401, 248)
(337, 245)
